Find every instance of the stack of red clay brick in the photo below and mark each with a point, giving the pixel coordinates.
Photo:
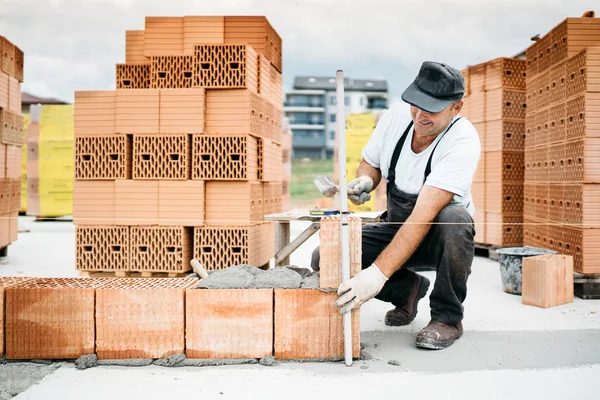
(11, 141)
(122, 318)
(562, 171)
(495, 104)
(184, 158)
(286, 159)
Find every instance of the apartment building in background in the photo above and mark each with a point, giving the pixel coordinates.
(312, 110)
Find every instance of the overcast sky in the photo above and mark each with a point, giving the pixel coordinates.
(74, 44)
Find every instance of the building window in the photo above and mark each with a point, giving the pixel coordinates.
(362, 100)
(332, 101)
(347, 100)
(331, 135)
(332, 118)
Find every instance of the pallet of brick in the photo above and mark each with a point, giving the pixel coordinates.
(163, 36)
(309, 326)
(6, 282)
(547, 280)
(141, 318)
(103, 248)
(225, 66)
(229, 323)
(160, 249)
(202, 29)
(51, 318)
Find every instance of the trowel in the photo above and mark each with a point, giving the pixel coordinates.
(198, 269)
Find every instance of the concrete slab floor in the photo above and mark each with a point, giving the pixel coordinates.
(508, 348)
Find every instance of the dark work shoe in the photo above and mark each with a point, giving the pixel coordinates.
(437, 336)
(401, 316)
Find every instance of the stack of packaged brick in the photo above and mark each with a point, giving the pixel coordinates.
(562, 175)
(49, 170)
(11, 140)
(495, 104)
(184, 158)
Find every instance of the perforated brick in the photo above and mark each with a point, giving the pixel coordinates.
(182, 110)
(181, 203)
(51, 318)
(103, 157)
(504, 229)
(544, 49)
(584, 246)
(162, 157)
(134, 47)
(531, 94)
(330, 263)
(505, 73)
(136, 202)
(225, 66)
(172, 72)
(95, 112)
(556, 163)
(202, 29)
(542, 196)
(528, 231)
(141, 318)
(102, 248)
(542, 90)
(556, 203)
(557, 122)
(223, 246)
(234, 203)
(308, 325)
(574, 161)
(133, 76)
(163, 36)
(258, 33)
(161, 249)
(504, 166)
(541, 228)
(11, 128)
(3, 90)
(137, 111)
(6, 282)
(558, 83)
(573, 35)
(556, 238)
(269, 160)
(229, 323)
(504, 135)
(542, 127)
(7, 56)
(503, 198)
(14, 95)
(272, 195)
(13, 159)
(541, 164)
(93, 202)
(530, 131)
(231, 157)
(505, 104)
(234, 112)
(529, 200)
(19, 64)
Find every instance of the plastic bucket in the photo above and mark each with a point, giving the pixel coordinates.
(511, 262)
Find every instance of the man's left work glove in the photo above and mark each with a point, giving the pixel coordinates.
(364, 286)
(359, 190)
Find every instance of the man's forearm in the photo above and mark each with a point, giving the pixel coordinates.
(401, 248)
(365, 169)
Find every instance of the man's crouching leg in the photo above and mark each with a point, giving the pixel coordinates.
(451, 245)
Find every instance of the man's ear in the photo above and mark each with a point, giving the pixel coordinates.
(458, 106)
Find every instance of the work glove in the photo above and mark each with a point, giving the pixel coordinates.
(364, 286)
(359, 190)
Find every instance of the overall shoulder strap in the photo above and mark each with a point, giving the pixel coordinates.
(428, 167)
(392, 169)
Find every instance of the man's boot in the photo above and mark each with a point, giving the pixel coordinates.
(437, 336)
(400, 316)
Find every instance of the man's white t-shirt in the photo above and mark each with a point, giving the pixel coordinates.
(453, 164)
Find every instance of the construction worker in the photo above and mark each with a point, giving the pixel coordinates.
(428, 158)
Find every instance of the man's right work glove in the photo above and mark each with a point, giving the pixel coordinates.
(359, 190)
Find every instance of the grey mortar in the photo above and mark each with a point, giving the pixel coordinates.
(215, 362)
(395, 363)
(236, 277)
(304, 272)
(18, 377)
(311, 281)
(267, 361)
(129, 362)
(176, 360)
(281, 278)
(86, 361)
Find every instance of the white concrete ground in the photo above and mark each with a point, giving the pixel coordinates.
(508, 351)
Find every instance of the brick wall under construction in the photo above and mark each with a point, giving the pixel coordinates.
(495, 102)
(562, 177)
(184, 158)
(11, 140)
